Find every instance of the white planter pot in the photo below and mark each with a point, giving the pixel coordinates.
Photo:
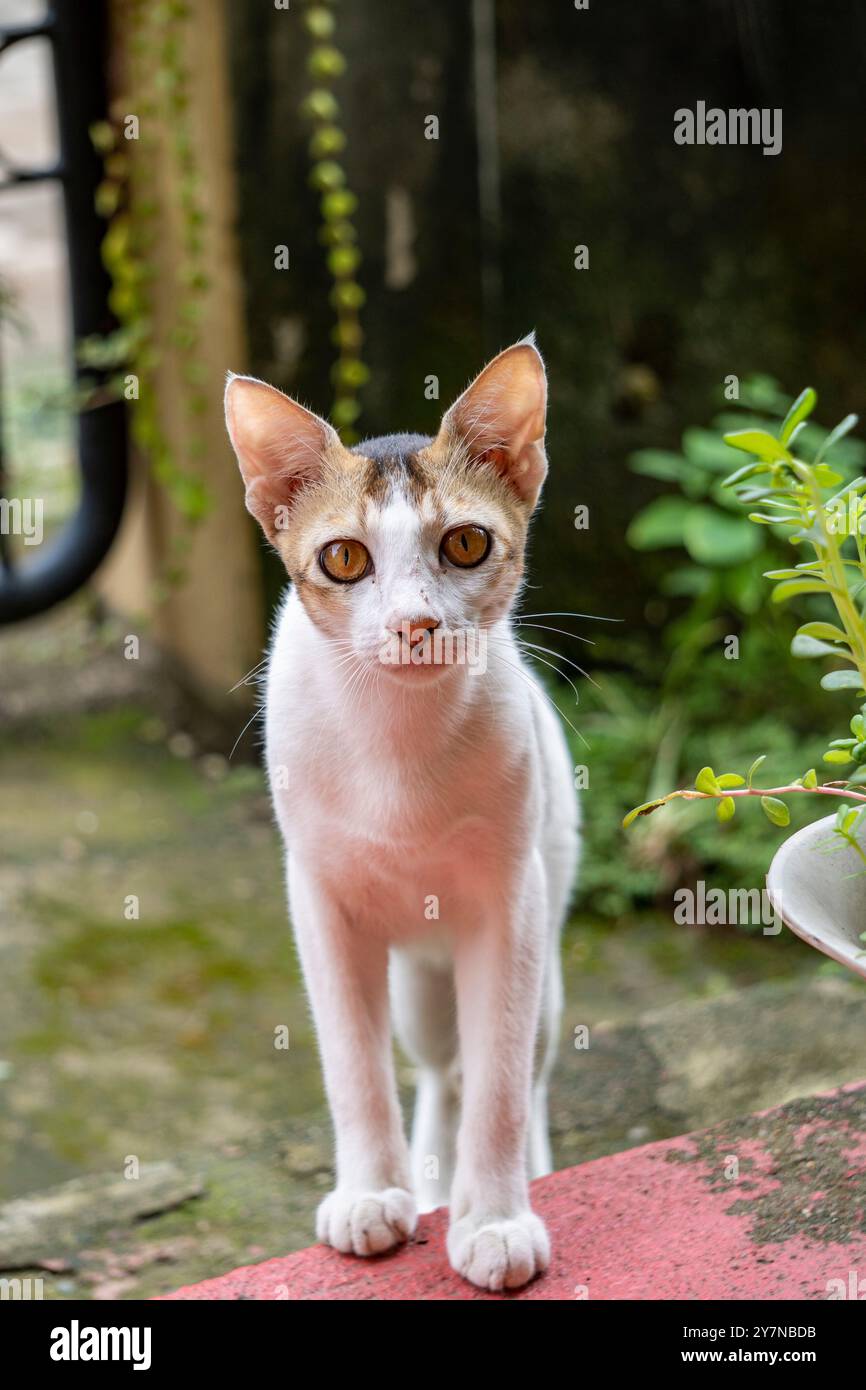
(820, 894)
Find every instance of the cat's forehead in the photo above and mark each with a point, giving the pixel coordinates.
(411, 473)
(395, 468)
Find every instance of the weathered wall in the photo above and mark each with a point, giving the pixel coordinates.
(212, 621)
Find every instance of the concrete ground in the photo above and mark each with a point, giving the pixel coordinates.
(765, 1207)
(151, 1134)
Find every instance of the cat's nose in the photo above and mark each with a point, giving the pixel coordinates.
(413, 630)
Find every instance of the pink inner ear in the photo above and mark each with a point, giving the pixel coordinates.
(279, 447)
(500, 418)
(504, 407)
(498, 458)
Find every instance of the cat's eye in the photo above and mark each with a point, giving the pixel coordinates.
(345, 561)
(466, 546)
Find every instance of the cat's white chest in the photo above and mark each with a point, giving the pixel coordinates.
(406, 846)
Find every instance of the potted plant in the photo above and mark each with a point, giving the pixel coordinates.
(814, 880)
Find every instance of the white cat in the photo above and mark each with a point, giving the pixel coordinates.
(426, 802)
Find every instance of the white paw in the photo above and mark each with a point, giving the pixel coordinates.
(499, 1254)
(366, 1223)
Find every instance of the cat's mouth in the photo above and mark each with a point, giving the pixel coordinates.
(436, 653)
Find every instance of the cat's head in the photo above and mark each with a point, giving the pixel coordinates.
(400, 536)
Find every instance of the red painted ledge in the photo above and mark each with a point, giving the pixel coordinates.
(771, 1206)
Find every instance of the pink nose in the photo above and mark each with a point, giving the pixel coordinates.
(413, 630)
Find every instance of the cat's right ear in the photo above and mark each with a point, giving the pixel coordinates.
(280, 446)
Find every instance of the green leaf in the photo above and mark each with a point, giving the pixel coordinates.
(844, 427)
(726, 808)
(810, 778)
(858, 727)
(759, 442)
(856, 485)
(782, 574)
(743, 585)
(801, 408)
(842, 680)
(663, 464)
(745, 495)
(748, 470)
(645, 810)
(714, 538)
(811, 533)
(755, 765)
(660, 524)
(776, 810)
(686, 581)
(731, 779)
(790, 588)
(706, 450)
(804, 646)
(826, 631)
(826, 476)
(837, 755)
(706, 781)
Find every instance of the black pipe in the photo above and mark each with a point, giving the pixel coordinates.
(78, 30)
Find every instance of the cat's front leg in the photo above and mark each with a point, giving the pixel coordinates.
(495, 1240)
(371, 1208)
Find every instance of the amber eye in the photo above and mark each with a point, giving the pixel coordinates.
(466, 546)
(345, 561)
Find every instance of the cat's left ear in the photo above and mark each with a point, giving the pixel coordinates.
(500, 418)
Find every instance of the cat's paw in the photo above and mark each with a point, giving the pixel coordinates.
(499, 1255)
(366, 1223)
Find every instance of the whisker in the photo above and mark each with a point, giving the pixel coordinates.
(522, 642)
(532, 656)
(245, 680)
(255, 715)
(593, 617)
(542, 627)
(541, 693)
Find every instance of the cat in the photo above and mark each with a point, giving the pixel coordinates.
(427, 805)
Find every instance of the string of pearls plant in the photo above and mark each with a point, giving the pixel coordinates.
(326, 64)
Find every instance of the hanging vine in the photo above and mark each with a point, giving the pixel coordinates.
(326, 64)
(149, 128)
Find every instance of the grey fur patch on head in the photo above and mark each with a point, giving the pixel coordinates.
(393, 459)
(387, 448)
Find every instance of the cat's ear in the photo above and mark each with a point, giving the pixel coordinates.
(500, 418)
(280, 446)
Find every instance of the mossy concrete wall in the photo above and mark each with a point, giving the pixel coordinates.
(212, 621)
